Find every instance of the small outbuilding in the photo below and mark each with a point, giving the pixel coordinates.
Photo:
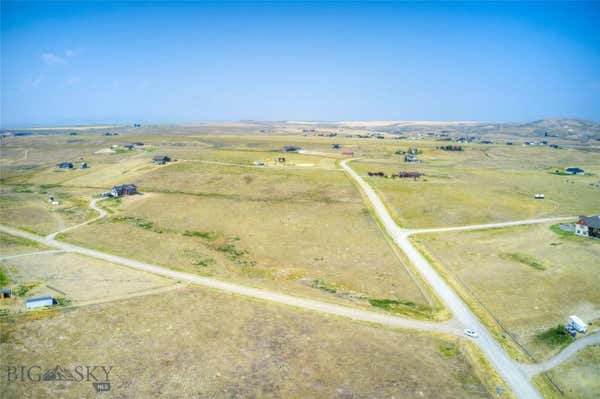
(161, 159)
(588, 226)
(336, 146)
(64, 165)
(348, 153)
(577, 324)
(124, 189)
(84, 165)
(291, 148)
(539, 196)
(5, 293)
(39, 302)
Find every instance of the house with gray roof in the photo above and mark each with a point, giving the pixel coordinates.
(588, 226)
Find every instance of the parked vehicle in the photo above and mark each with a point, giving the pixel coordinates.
(471, 333)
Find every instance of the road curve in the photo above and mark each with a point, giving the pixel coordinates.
(323, 307)
(566, 354)
(512, 373)
(101, 212)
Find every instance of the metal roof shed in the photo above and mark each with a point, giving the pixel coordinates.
(39, 302)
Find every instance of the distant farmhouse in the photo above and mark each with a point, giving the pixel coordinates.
(451, 148)
(588, 226)
(411, 158)
(574, 171)
(405, 175)
(64, 165)
(161, 159)
(291, 148)
(125, 189)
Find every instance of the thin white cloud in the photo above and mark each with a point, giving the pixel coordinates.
(70, 53)
(73, 81)
(35, 82)
(52, 59)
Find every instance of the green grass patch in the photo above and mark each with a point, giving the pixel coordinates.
(137, 222)
(524, 259)
(121, 151)
(449, 350)
(556, 229)
(203, 262)
(8, 241)
(4, 280)
(62, 301)
(23, 289)
(48, 186)
(324, 286)
(231, 250)
(403, 307)
(389, 304)
(555, 337)
(207, 235)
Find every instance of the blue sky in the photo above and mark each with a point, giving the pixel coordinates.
(92, 62)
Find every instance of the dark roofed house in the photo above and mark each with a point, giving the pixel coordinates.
(575, 171)
(408, 175)
(588, 226)
(291, 148)
(336, 146)
(124, 189)
(64, 165)
(129, 146)
(161, 159)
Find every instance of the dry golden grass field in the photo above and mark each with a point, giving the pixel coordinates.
(293, 231)
(529, 277)
(12, 245)
(186, 344)
(76, 278)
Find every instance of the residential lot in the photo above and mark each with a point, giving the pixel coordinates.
(530, 278)
(485, 184)
(333, 250)
(190, 340)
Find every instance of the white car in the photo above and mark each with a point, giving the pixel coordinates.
(471, 333)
